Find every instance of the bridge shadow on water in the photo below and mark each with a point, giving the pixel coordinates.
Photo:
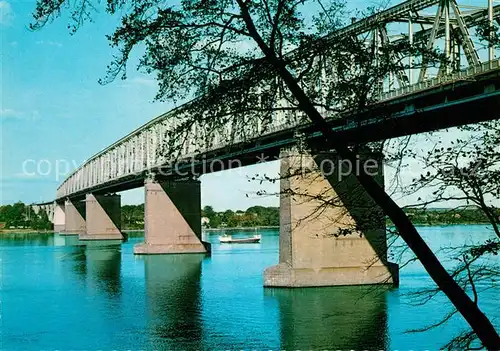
(103, 262)
(98, 263)
(170, 308)
(174, 303)
(350, 318)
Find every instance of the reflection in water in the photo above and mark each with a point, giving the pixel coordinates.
(26, 239)
(78, 296)
(174, 302)
(70, 252)
(103, 261)
(98, 264)
(133, 233)
(352, 317)
(65, 240)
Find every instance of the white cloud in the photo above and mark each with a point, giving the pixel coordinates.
(143, 81)
(26, 175)
(137, 81)
(6, 13)
(8, 113)
(49, 42)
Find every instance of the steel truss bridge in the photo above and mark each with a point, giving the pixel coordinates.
(418, 100)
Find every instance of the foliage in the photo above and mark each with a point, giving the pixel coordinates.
(466, 171)
(254, 216)
(444, 216)
(207, 52)
(248, 63)
(133, 217)
(20, 215)
(490, 33)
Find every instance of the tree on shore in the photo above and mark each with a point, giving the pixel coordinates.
(132, 216)
(13, 215)
(464, 174)
(247, 62)
(465, 170)
(21, 215)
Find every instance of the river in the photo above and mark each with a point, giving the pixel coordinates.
(58, 294)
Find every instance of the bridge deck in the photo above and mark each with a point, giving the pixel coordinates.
(466, 96)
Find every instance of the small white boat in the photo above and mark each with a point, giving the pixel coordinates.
(228, 239)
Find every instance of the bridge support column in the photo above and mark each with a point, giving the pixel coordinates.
(59, 219)
(172, 218)
(331, 232)
(103, 217)
(74, 213)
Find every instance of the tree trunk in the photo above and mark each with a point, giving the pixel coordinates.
(469, 310)
(479, 323)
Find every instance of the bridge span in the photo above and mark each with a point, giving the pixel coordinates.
(311, 252)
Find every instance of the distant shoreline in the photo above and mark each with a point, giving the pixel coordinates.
(33, 231)
(241, 228)
(277, 226)
(221, 229)
(25, 231)
(218, 229)
(443, 224)
(389, 225)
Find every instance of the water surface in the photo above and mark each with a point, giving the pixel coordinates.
(57, 293)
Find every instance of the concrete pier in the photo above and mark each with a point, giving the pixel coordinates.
(74, 214)
(59, 219)
(331, 231)
(172, 218)
(103, 217)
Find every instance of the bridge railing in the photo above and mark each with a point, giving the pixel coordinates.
(445, 79)
(139, 151)
(143, 149)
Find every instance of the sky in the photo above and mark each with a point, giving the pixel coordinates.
(53, 110)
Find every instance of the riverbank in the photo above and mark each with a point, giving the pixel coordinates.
(33, 231)
(443, 224)
(220, 229)
(25, 231)
(277, 227)
(240, 228)
(388, 224)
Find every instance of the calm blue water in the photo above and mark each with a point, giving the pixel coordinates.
(58, 294)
